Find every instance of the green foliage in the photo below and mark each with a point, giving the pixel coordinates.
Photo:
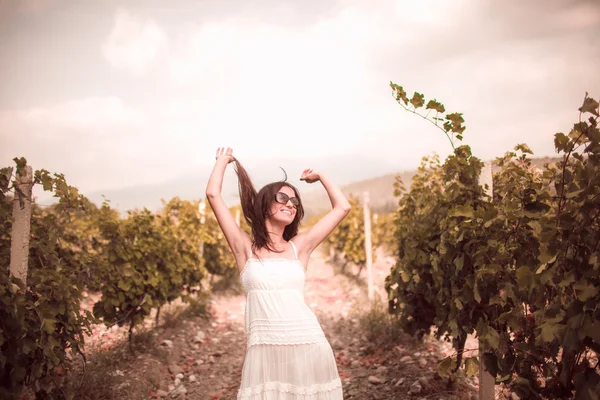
(151, 261)
(138, 262)
(41, 322)
(450, 124)
(520, 269)
(382, 232)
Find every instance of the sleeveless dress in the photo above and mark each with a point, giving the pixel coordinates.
(287, 355)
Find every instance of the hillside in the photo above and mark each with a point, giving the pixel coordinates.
(381, 193)
(381, 190)
(349, 174)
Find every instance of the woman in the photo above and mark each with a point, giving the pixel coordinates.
(287, 354)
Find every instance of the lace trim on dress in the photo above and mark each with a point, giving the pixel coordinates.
(284, 339)
(312, 320)
(289, 388)
(284, 332)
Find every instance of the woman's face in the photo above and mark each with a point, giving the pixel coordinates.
(282, 208)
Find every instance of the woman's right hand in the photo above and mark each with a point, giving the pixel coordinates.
(225, 154)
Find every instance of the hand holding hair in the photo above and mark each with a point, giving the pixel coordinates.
(309, 176)
(225, 153)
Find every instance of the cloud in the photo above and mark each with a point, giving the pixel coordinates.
(541, 18)
(134, 43)
(323, 88)
(274, 90)
(96, 142)
(281, 81)
(26, 6)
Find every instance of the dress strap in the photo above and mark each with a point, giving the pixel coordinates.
(294, 248)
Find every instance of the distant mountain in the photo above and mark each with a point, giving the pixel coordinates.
(381, 193)
(343, 169)
(353, 174)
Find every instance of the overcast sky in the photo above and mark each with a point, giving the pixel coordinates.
(122, 93)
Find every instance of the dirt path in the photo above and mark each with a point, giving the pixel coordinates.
(194, 357)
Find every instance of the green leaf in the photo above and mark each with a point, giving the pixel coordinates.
(418, 100)
(547, 255)
(549, 331)
(29, 346)
(400, 93)
(490, 269)
(493, 338)
(574, 194)
(47, 182)
(471, 366)
(124, 285)
(524, 278)
(586, 291)
(461, 211)
(589, 105)
(14, 288)
(434, 105)
(593, 133)
(458, 303)
(49, 325)
(446, 366)
(454, 123)
(569, 279)
(459, 262)
(524, 148)
(575, 134)
(561, 142)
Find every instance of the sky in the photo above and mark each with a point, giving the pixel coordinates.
(126, 94)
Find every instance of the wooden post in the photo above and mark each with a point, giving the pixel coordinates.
(202, 212)
(368, 249)
(19, 242)
(487, 383)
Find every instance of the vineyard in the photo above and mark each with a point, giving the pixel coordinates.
(519, 268)
(515, 264)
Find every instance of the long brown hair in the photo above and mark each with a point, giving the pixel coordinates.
(256, 207)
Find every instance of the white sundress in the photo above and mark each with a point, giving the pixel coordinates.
(287, 355)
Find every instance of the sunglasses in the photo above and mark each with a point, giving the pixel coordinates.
(283, 198)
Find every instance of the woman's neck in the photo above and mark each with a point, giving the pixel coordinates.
(275, 233)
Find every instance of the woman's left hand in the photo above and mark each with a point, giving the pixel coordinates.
(309, 176)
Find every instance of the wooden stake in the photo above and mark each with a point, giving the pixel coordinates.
(19, 242)
(368, 249)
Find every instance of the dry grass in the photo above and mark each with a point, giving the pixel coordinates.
(381, 329)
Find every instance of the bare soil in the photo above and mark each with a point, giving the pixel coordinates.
(368, 353)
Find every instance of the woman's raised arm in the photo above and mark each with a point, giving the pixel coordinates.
(310, 239)
(237, 239)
